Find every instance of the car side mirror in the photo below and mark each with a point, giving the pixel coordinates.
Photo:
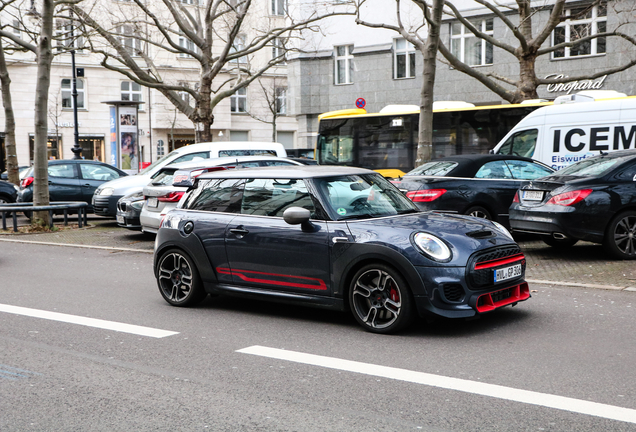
(296, 216)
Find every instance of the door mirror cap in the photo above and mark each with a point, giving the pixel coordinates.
(296, 215)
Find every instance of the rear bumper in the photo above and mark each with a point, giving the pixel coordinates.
(566, 221)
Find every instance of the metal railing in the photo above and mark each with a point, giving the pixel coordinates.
(63, 206)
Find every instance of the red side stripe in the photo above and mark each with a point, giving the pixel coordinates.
(240, 273)
(498, 262)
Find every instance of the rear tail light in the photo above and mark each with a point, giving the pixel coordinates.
(570, 198)
(516, 198)
(425, 195)
(171, 197)
(26, 182)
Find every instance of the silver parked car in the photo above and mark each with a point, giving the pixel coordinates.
(161, 196)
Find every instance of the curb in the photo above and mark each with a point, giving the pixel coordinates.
(581, 285)
(79, 246)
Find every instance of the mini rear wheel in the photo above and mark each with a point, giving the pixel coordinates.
(620, 238)
(380, 299)
(178, 280)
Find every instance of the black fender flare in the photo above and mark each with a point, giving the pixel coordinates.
(191, 244)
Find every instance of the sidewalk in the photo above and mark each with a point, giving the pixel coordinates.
(585, 264)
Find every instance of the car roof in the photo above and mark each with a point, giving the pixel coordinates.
(224, 161)
(469, 164)
(60, 161)
(291, 172)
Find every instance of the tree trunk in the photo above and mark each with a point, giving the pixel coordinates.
(9, 128)
(40, 162)
(425, 134)
(274, 132)
(528, 82)
(203, 112)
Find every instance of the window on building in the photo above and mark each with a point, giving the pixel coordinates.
(129, 38)
(238, 46)
(67, 97)
(131, 91)
(343, 64)
(469, 48)
(186, 43)
(238, 101)
(184, 95)
(190, 2)
(281, 100)
(278, 49)
(15, 27)
(279, 7)
(66, 36)
(581, 22)
(403, 59)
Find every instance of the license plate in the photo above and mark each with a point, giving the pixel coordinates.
(120, 219)
(153, 202)
(532, 195)
(507, 273)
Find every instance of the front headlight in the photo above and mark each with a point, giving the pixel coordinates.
(432, 246)
(502, 228)
(107, 191)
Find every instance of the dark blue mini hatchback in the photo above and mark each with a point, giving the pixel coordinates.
(333, 237)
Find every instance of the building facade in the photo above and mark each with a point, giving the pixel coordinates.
(383, 69)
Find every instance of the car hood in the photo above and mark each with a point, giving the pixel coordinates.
(463, 234)
(126, 185)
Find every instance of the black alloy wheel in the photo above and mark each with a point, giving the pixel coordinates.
(380, 299)
(559, 243)
(620, 239)
(479, 212)
(178, 280)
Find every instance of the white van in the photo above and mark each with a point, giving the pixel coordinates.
(106, 196)
(564, 133)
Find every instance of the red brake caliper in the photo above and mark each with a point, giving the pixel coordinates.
(394, 294)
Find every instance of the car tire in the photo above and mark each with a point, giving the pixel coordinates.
(559, 243)
(380, 299)
(5, 200)
(478, 211)
(620, 238)
(178, 279)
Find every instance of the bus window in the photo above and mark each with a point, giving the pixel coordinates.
(335, 143)
(385, 142)
(520, 144)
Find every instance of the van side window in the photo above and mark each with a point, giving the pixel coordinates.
(216, 195)
(520, 144)
(192, 156)
(254, 152)
(271, 197)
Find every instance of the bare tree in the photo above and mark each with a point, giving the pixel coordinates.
(274, 104)
(213, 33)
(425, 36)
(529, 48)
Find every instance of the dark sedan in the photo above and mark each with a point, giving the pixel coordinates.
(333, 237)
(8, 192)
(71, 180)
(475, 185)
(593, 200)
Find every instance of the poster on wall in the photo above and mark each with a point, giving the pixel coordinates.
(113, 136)
(128, 146)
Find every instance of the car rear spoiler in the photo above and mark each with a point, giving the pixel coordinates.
(187, 177)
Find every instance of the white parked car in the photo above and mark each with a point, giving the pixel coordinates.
(106, 196)
(161, 195)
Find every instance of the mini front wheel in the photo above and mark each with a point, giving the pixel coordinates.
(178, 279)
(380, 299)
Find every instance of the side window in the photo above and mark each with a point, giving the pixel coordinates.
(627, 175)
(192, 156)
(521, 143)
(98, 172)
(62, 171)
(271, 197)
(494, 170)
(263, 152)
(276, 163)
(216, 195)
(522, 170)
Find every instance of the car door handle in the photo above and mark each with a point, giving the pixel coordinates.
(239, 231)
(87, 185)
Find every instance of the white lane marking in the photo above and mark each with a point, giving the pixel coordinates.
(89, 322)
(474, 387)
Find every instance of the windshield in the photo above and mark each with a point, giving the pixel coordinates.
(439, 168)
(363, 196)
(594, 167)
(158, 162)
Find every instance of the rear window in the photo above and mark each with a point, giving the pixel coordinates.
(163, 177)
(433, 168)
(216, 195)
(594, 167)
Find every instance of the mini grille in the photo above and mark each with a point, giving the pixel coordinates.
(482, 278)
(501, 295)
(453, 292)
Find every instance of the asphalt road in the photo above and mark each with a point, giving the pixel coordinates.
(58, 376)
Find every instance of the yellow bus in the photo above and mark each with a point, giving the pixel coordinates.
(387, 141)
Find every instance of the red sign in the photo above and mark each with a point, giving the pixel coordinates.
(361, 103)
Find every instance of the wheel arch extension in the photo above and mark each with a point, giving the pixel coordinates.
(192, 246)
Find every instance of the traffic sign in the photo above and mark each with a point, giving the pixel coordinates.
(360, 103)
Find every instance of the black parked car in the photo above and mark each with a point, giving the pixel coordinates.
(333, 237)
(8, 192)
(476, 185)
(593, 200)
(71, 180)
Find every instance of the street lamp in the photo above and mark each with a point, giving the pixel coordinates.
(77, 150)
